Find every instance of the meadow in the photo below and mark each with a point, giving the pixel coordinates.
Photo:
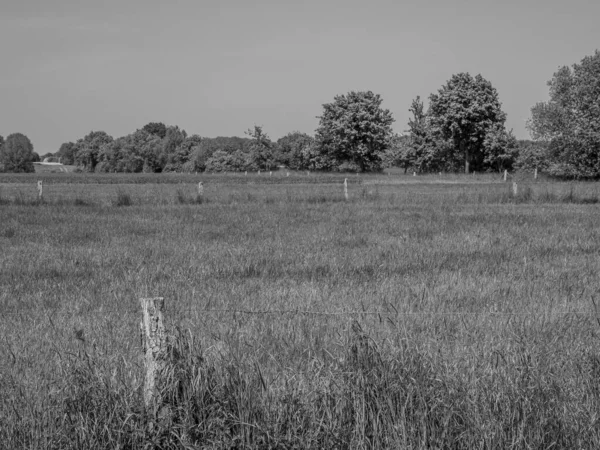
(424, 312)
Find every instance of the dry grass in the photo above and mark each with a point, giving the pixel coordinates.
(416, 315)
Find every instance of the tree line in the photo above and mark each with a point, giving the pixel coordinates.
(463, 128)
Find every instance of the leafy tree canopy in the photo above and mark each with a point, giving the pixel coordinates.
(570, 120)
(261, 153)
(290, 150)
(463, 111)
(16, 154)
(355, 129)
(88, 149)
(156, 128)
(66, 153)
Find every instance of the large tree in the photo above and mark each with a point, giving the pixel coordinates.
(464, 110)
(291, 150)
(66, 153)
(260, 149)
(16, 154)
(88, 149)
(570, 121)
(156, 128)
(354, 129)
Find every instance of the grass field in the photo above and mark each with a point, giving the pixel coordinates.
(425, 312)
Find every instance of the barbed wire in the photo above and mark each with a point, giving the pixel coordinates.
(326, 313)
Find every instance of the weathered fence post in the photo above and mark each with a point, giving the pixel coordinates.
(259, 172)
(200, 190)
(505, 174)
(535, 174)
(270, 173)
(40, 188)
(287, 174)
(154, 346)
(246, 173)
(346, 188)
(414, 174)
(515, 189)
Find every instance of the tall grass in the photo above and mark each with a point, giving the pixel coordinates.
(425, 316)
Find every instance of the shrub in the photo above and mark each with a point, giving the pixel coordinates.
(123, 199)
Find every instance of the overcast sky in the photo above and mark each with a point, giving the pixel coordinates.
(216, 68)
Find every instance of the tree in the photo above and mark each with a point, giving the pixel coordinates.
(174, 137)
(355, 129)
(88, 149)
(66, 153)
(220, 161)
(501, 149)
(261, 153)
(400, 153)
(532, 155)
(464, 110)
(182, 153)
(156, 128)
(290, 150)
(570, 121)
(16, 154)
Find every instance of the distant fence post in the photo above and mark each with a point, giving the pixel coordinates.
(200, 189)
(287, 174)
(154, 346)
(414, 174)
(515, 189)
(40, 188)
(535, 174)
(346, 188)
(505, 174)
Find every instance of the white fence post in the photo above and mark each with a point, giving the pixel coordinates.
(346, 188)
(200, 189)
(535, 174)
(154, 346)
(40, 188)
(515, 189)
(505, 174)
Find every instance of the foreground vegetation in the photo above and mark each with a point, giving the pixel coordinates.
(427, 313)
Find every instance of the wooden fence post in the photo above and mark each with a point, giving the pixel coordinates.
(154, 345)
(535, 174)
(40, 188)
(515, 189)
(505, 174)
(200, 189)
(346, 188)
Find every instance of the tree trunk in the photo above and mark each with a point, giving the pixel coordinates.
(465, 149)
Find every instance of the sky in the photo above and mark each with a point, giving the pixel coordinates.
(218, 67)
